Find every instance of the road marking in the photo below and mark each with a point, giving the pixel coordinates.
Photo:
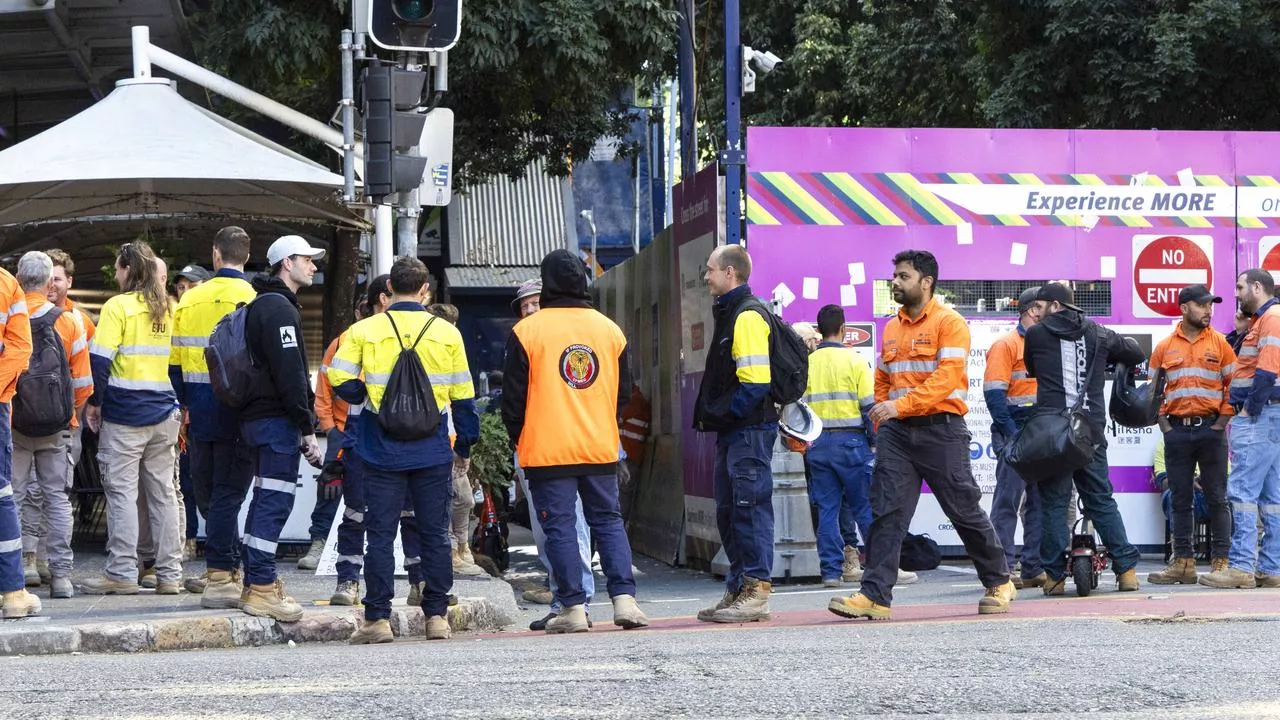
(962, 570)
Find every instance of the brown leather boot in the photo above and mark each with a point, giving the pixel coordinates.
(751, 605)
(1181, 571)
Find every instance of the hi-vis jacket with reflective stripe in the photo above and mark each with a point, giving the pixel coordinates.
(735, 385)
(1006, 386)
(923, 363)
(81, 317)
(370, 347)
(331, 412)
(1254, 381)
(130, 359)
(76, 346)
(841, 389)
(198, 313)
(1198, 373)
(15, 335)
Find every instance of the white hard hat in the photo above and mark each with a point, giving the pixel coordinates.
(799, 421)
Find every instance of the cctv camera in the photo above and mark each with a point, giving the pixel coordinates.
(585, 214)
(765, 61)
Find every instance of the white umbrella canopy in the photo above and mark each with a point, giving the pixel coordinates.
(144, 150)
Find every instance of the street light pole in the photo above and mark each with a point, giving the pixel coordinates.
(732, 157)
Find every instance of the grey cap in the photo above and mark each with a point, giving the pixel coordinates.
(194, 273)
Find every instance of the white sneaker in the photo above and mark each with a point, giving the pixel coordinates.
(906, 577)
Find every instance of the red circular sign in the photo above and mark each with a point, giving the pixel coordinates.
(1165, 266)
(1271, 263)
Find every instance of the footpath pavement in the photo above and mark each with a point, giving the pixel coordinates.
(149, 622)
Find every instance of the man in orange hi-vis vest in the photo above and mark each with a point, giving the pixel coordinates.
(565, 376)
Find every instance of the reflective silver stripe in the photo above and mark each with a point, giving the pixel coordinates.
(1021, 399)
(346, 366)
(1250, 351)
(355, 410)
(748, 361)
(841, 422)
(352, 559)
(164, 350)
(44, 310)
(6, 491)
(837, 395)
(895, 394)
(637, 422)
(324, 369)
(1242, 383)
(454, 378)
(190, 341)
(376, 378)
(4, 318)
(1019, 375)
(18, 308)
(124, 384)
(948, 353)
(86, 381)
(1269, 509)
(258, 543)
(958, 395)
(1268, 340)
(9, 546)
(881, 366)
(407, 514)
(1193, 392)
(1227, 370)
(994, 385)
(79, 346)
(633, 436)
(102, 351)
(913, 366)
(1194, 372)
(192, 376)
(1244, 507)
(353, 515)
(415, 560)
(281, 486)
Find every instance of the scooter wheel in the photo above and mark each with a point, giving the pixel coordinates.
(1082, 574)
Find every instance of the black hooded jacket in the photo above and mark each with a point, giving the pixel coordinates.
(564, 285)
(1058, 350)
(274, 334)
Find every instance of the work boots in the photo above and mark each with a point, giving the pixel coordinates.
(1181, 571)
(60, 587)
(626, 614)
(858, 605)
(997, 599)
(147, 578)
(30, 575)
(906, 577)
(852, 570)
(373, 632)
(106, 585)
(311, 560)
(751, 605)
(571, 619)
(270, 601)
(464, 564)
(347, 593)
(1127, 581)
(1229, 578)
(729, 596)
(1054, 587)
(42, 569)
(20, 604)
(415, 595)
(222, 590)
(438, 628)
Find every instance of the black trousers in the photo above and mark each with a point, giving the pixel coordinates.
(939, 455)
(1185, 448)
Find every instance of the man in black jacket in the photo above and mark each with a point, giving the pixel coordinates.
(1060, 353)
(276, 422)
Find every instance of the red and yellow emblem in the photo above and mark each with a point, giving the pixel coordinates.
(579, 366)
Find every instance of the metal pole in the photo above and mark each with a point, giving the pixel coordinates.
(141, 43)
(384, 218)
(732, 158)
(348, 117)
(670, 175)
(688, 93)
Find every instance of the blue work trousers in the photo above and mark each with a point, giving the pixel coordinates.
(1005, 502)
(325, 511)
(351, 529)
(11, 578)
(189, 497)
(839, 477)
(555, 499)
(1096, 494)
(384, 494)
(743, 493)
(226, 468)
(411, 543)
(540, 541)
(275, 448)
(1253, 488)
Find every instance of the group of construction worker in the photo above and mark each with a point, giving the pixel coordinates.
(885, 431)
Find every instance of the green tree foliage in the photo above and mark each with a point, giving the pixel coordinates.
(491, 455)
(1125, 64)
(529, 78)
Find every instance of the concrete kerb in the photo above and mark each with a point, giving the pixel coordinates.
(34, 636)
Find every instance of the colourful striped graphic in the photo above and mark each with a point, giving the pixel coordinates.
(898, 198)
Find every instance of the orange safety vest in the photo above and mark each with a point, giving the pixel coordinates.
(571, 408)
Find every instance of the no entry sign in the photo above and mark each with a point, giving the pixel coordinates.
(1163, 265)
(1269, 251)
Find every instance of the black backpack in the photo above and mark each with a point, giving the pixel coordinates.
(408, 410)
(233, 372)
(788, 358)
(44, 401)
(919, 552)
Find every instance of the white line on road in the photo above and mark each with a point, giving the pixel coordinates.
(963, 570)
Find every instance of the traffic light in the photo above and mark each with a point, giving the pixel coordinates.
(415, 25)
(390, 132)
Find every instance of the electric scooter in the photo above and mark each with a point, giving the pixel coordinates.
(1086, 558)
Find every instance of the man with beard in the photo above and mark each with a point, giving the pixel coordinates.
(1197, 362)
(920, 389)
(1253, 486)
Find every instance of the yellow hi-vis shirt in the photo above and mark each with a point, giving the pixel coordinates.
(197, 314)
(130, 359)
(840, 386)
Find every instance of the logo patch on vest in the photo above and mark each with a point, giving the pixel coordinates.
(579, 366)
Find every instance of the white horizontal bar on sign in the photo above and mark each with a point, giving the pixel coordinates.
(1159, 276)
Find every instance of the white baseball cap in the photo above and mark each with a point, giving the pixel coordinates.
(291, 245)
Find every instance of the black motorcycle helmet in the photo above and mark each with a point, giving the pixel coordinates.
(1133, 405)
